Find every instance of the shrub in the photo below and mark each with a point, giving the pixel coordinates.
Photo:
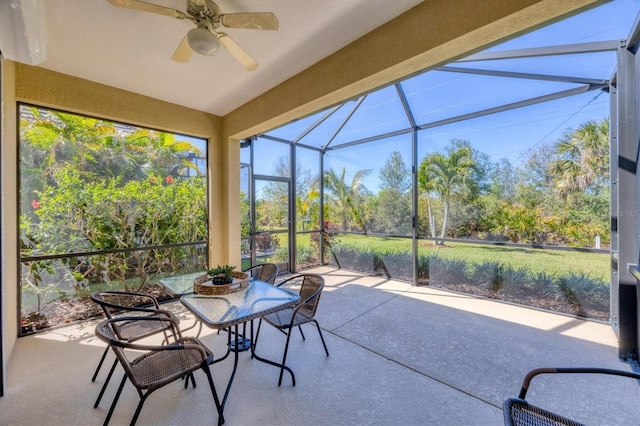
(489, 274)
(515, 282)
(448, 271)
(424, 264)
(266, 242)
(539, 283)
(398, 264)
(580, 290)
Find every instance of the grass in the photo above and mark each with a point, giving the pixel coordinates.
(551, 262)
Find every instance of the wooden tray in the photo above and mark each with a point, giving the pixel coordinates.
(203, 285)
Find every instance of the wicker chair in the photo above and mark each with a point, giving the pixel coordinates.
(158, 365)
(310, 291)
(266, 272)
(132, 304)
(518, 412)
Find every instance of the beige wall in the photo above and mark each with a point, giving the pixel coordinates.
(8, 250)
(432, 33)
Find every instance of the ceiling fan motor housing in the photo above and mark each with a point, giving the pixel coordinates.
(202, 15)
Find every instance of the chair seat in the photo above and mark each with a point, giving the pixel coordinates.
(137, 330)
(282, 319)
(519, 412)
(157, 368)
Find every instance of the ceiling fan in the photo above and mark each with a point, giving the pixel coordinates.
(206, 37)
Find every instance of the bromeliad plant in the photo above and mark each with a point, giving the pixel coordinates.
(221, 274)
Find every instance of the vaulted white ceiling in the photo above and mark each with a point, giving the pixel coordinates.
(132, 50)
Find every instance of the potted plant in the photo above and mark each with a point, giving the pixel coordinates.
(221, 274)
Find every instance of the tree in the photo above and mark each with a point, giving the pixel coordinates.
(583, 163)
(395, 175)
(308, 207)
(98, 149)
(52, 139)
(89, 185)
(345, 196)
(161, 153)
(276, 195)
(535, 180)
(393, 209)
(503, 180)
(446, 175)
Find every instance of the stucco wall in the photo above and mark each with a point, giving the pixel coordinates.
(8, 251)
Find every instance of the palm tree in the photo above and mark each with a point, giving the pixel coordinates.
(307, 206)
(97, 148)
(153, 152)
(446, 176)
(344, 195)
(53, 139)
(583, 161)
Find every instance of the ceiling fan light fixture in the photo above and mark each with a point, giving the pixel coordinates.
(203, 41)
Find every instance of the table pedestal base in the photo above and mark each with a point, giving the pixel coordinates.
(240, 344)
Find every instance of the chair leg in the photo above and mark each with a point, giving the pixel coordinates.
(104, 355)
(143, 398)
(106, 382)
(115, 400)
(193, 381)
(321, 337)
(301, 333)
(284, 359)
(205, 367)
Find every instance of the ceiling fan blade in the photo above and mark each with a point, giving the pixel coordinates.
(254, 21)
(183, 52)
(148, 7)
(237, 52)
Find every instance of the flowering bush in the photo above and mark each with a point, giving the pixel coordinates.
(78, 217)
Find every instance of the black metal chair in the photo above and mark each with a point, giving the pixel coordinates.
(133, 304)
(310, 290)
(158, 365)
(266, 272)
(518, 412)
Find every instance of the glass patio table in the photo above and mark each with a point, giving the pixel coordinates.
(231, 310)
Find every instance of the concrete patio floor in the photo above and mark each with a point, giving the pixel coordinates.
(399, 355)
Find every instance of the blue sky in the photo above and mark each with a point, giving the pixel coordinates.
(511, 134)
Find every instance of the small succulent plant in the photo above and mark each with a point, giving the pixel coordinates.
(221, 274)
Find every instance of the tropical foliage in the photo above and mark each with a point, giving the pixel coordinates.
(558, 195)
(107, 204)
(104, 204)
(347, 200)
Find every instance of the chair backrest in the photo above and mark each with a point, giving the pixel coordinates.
(113, 302)
(266, 272)
(312, 284)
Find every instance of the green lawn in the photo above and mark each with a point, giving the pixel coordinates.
(553, 262)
